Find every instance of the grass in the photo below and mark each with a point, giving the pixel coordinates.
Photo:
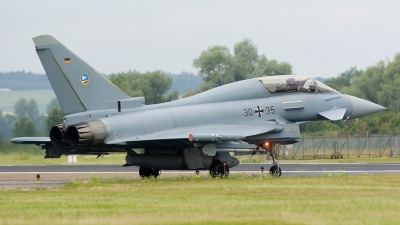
(262, 159)
(12, 154)
(241, 199)
(24, 158)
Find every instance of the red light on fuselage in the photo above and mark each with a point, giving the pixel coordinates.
(266, 144)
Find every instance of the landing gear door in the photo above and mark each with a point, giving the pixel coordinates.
(224, 157)
(193, 158)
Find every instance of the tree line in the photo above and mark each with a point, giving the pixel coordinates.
(27, 121)
(217, 66)
(380, 84)
(21, 80)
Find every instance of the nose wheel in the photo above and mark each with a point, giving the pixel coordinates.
(275, 171)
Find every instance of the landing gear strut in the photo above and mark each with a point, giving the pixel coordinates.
(145, 172)
(275, 169)
(218, 169)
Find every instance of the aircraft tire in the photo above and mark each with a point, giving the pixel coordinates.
(142, 172)
(221, 172)
(213, 168)
(145, 172)
(155, 172)
(275, 171)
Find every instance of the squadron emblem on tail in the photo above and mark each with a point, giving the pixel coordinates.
(84, 79)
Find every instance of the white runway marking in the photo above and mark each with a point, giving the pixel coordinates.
(232, 172)
(345, 171)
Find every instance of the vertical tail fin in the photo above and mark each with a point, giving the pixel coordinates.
(77, 85)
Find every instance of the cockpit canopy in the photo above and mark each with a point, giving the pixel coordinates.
(293, 83)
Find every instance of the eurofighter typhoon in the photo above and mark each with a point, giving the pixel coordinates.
(193, 133)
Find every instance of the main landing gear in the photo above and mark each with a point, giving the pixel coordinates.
(145, 172)
(218, 169)
(275, 169)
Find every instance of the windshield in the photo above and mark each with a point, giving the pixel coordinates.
(292, 83)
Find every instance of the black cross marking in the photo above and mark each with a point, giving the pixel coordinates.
(259, 111)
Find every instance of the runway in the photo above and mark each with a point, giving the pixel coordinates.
(287, 169)
(52, 176)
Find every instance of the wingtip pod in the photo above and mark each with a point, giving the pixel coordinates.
(44, 40)
(30, 140)
(16, 141)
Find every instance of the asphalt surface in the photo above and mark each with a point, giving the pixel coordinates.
(288, 169)
(53, 176)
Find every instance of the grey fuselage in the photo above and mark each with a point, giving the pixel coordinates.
(238, 103)
(197, 132)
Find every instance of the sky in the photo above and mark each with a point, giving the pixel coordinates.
(318, 38)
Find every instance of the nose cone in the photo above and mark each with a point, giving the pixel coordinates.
(363, 107)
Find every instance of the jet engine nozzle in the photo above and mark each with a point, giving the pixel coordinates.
(57, 135)
(87, 133)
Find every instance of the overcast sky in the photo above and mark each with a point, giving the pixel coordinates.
(318, 38)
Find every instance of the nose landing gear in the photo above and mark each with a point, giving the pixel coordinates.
(275, 169)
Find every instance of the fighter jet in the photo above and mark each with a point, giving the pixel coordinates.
(201, 132)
